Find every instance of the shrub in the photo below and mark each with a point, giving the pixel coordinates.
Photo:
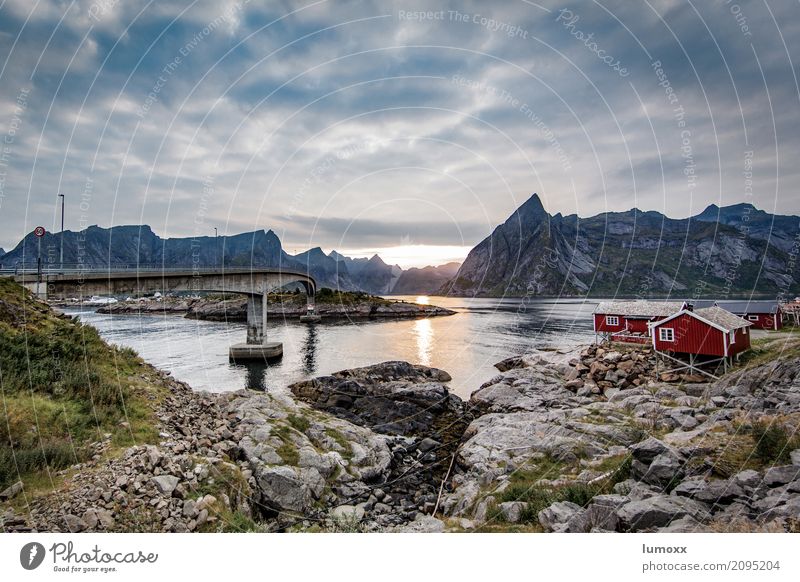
(773, 442)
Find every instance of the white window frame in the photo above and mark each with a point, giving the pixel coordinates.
(733, 336)
(612, 320)
(666, 334)
(752, 318)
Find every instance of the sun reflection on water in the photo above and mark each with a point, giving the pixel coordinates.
(423, 332)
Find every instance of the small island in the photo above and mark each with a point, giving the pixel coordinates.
(329, 304)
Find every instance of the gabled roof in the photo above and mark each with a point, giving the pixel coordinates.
(723, 320)
(639, 308)
(740, 306)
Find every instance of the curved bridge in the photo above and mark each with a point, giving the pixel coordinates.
(256, 284)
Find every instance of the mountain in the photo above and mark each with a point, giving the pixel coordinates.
(134, 245)
(139, 245)
(424, 281)
(371, 275)
(326, 270)
(634, 253)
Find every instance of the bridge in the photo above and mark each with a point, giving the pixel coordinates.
(254, 283)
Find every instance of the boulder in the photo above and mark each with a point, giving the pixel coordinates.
(657, 512)
(512, 510)
(165, 484)
(12, 491)
(347, 513)
(718, 491)
(556, 516)
(775, 476)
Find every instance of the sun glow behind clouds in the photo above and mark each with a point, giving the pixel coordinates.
(408, 256)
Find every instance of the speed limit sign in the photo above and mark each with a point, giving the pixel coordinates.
(39, 231)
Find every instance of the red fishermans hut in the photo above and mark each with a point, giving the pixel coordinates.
(761, 314)
(627, 321)
(713, 333)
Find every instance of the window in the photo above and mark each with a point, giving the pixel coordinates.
(733, 337)
(666, 334)
(612, 320)
(752, 318)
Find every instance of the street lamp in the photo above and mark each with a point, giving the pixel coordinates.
(216, 247)
(61, 259)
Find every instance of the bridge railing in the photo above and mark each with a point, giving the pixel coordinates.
(115, 268)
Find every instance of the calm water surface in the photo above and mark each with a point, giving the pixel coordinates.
(466, 345)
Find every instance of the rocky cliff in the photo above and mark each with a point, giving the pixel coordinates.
(732, 250)
(425, 281)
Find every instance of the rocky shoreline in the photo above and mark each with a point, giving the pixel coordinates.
(580, 441)
(235, 309)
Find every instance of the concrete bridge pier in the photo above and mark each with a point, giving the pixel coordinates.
(257, 347)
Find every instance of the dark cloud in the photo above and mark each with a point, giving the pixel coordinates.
(359, 120)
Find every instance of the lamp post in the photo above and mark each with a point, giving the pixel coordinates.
(216, 247)
(61, 258)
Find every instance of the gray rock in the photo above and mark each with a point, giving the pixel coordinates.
(556, 516)
(665, 468)
(648, 449)
(717, 491)
(428, 444)
(795, 457)
(775, 476)
(289, 488)
(748, 480)
(12, 491)
(657, 511)
(189, 509)
(348, 513)
(512, 510)
(165, 484)
(421, 524)
(74, 523)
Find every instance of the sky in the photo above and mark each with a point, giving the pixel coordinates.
(411, 129)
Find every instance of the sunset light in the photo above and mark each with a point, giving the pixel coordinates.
(408, 256)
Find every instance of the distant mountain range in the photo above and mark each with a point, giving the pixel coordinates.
(138, 245)
(730, 251)
(734, 250)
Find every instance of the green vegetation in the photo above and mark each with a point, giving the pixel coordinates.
(341, 440)
(773, 442)
(299, 423)
(769, 349)
(527, 486)
(62, 389)
(755, 446)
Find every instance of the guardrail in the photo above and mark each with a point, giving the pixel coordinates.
(114, 269)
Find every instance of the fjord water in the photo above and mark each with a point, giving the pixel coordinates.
(467, 344)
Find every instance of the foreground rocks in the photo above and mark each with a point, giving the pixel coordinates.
(388, 448)
(640, 454)
(263, 461)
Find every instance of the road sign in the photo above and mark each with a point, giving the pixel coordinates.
(39, 231)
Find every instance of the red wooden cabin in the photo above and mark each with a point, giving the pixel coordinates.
(627, 321)
(760, 314)
(711, 331)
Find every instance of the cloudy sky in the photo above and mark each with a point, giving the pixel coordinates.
(366, 126)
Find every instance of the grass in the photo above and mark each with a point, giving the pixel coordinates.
(768, 349)
(756, 446)
(526, 486)
(341, 440)
(299, 423)
(773, 442)
(62, 388)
